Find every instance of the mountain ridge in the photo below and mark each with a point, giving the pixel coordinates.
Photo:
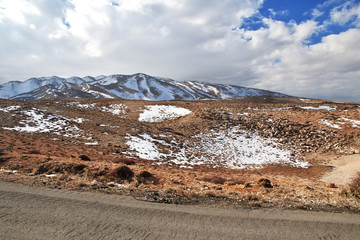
(138, 86)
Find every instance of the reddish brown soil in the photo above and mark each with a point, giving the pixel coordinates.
(35, 155)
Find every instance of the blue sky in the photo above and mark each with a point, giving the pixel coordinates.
(301, 11)
(302, 48)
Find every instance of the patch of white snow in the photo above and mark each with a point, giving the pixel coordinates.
(37, 121)
(329, 124)
(327, 108)
(116, 109)
(355, 123)
(10, 108)
(159, 113)
(223, 148)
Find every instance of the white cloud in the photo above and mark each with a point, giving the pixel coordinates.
(17, 10)
(317, 13)
(180, 39)
(328, 69)
(346, 13)
(277, 13)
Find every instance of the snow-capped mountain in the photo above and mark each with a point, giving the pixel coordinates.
(138, 86)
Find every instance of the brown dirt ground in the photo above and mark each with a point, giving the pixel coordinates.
(33, 157)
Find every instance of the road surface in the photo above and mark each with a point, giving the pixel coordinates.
(39, 213)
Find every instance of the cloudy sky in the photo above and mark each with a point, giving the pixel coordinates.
(306, 48)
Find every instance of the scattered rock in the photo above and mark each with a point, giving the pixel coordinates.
(331, 185)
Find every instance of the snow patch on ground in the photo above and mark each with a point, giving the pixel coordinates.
(159, 113)
(145, 146)
(329, 124)
(51, 175)
(81, 106)
(8, 171)
(327, 108)
(10, 108)
(116, 109)
(355, 123)
(37, 121)
(233, 148)
(117, 185)
(341, 121)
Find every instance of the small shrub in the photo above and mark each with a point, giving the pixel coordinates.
(40, 170)
(84, 158)
(123, 172)
(145, 174)
(331, 185)
(344, 193)
(264, 182)
(355, 185)
(78, 168)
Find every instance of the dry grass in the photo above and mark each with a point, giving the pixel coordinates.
(124, 160)
(214, 179)
(355, 185)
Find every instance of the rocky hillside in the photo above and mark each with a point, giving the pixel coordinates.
(252, 153)
(135, 87)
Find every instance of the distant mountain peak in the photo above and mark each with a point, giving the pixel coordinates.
(139, 86)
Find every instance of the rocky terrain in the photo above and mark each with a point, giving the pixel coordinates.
(250, 151)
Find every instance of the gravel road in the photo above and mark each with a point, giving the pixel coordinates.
(37, 213)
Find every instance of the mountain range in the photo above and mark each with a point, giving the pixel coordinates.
(137, 87)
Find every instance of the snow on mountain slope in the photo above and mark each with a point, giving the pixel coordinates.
(64, 90)
(14, 88)
(138, 87)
